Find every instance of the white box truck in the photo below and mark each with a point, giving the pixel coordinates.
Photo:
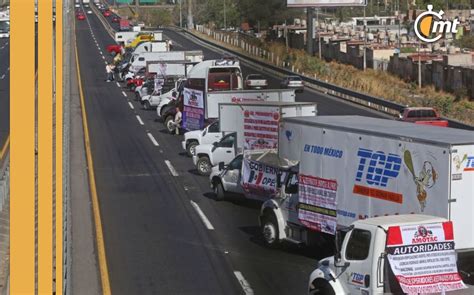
(353, 167)
(139, 61)
(152, 46)
(250, 126)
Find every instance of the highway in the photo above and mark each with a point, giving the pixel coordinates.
(164, 232)
(4, 90)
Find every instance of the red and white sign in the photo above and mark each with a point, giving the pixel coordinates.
(261, 129)
(259, 180)
(317, 203)
(423, 259)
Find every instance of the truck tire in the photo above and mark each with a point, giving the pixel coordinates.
(137, 96)
(190, 147)
(113, 53)
(271, 237)
(321, 287)
(147, 105)
(204, 166)
(132, 87)
(168, 124)
(219, 191)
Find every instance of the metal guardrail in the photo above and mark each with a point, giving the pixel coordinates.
(372, 102)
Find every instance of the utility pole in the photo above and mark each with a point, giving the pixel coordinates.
(399, 27)
(190, 14)
(225, 17)
(365, 42)
(419, 64)
(180, 14)
(309, 29)
(319, 37)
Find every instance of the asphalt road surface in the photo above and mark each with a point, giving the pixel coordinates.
(156, 241)
(4, 90)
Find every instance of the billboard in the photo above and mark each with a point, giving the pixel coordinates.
(325, 3)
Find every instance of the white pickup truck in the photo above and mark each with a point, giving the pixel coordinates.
(256, 81)
(208, 135)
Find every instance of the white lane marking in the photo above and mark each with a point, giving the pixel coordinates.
(106, 62)
(150, 136)
(204, 219)
(103, 57)
(124, 94)
(243, 282)
(171, 168)
(2, 77)
(118, 85)
(131, 105)
(140, 120)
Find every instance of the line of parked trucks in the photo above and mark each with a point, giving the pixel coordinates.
(351, 179)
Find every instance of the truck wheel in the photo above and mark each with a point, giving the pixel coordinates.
(132, 87)
(169, 124)
(113, 53)
(137, 96)
(146, 105)
(191, 147)
(219, 191)
(321, 287)
(204, 166)
(270, 231)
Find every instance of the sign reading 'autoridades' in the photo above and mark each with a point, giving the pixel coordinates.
(423, 259)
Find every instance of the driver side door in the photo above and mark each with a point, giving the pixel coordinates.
(231, 175)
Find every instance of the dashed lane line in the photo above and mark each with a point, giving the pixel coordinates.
(124, 94)
(117, 83)
(243, 282)
(152, 138)
(131, 105)
(140, 120)
(203, 217)
(171, 168)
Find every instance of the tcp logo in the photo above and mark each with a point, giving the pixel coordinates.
(376, 167)
(430, 25)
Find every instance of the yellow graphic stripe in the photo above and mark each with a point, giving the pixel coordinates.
(104, 273)
(45, 147)
(59, 146)
(22, 147)
(425, 25)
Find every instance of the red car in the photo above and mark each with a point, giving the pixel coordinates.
(133, 83)
(81, 16)
(107, 13)
(114, 49)
(116, 19)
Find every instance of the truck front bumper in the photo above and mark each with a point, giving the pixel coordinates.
(195, 159)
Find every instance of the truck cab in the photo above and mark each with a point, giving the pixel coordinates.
(423, 116)
(227, 178)
(208, 155)
(360, 266)
(208, 135)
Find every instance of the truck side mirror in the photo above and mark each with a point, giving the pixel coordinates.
(221, 166)
(278, 180)
(337, 240)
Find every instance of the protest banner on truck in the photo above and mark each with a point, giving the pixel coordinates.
(193, 114)
(423, 259)
(259, 179)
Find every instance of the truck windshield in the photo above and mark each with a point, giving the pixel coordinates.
(228, 141)
(214, 127)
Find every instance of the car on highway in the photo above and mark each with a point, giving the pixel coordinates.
(77, 5)
(422, 115)
(293, 82)
(141, 24)
(80, 16)
(255, 81)
(89, 12)
(115, 19)
(107, 13)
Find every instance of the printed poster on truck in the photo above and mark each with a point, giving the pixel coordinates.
(259, 179)
(317, 203)
(193, 113)
(423, 259)
(261, 129)
(375, 176)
